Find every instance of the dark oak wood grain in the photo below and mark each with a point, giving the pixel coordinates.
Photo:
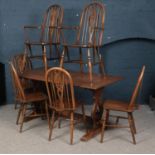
(80, 79)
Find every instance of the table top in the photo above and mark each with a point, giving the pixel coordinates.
(80, 79)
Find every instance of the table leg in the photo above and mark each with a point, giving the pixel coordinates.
(96, 106)
(95, 118)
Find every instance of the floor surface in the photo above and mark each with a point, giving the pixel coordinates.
(34, 138)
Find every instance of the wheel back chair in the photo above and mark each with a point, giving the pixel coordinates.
(89, 39)
(126, 107)
(60, 91)
(28, 99)
(49, 36)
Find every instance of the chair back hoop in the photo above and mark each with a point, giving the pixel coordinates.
(51, 23)
(91, 24)
(19, 92)
(21, 62)
(137, 89)
(60, 90)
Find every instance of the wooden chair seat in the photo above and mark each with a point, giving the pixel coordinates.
(117, 105)
(33, 97)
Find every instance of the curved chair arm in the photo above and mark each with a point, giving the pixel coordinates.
(40, 30)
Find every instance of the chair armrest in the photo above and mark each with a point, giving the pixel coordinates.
(32, 27)
(39, 27)
(33, 34)
(41, 43)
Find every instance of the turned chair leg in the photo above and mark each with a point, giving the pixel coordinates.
(41, 110)
(16, 104)
(51, 125)
(83, 114)
(107, 116)
(117, 120)
(104, 118)
(47, 114)
(59, 121)
(23, 116)
(131, 127)
(19, 115)
(71, 127)
(133, 122)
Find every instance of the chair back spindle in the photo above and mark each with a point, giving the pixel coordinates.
(60, 89)
(51, 23)
(21, 63)
(91, 25)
